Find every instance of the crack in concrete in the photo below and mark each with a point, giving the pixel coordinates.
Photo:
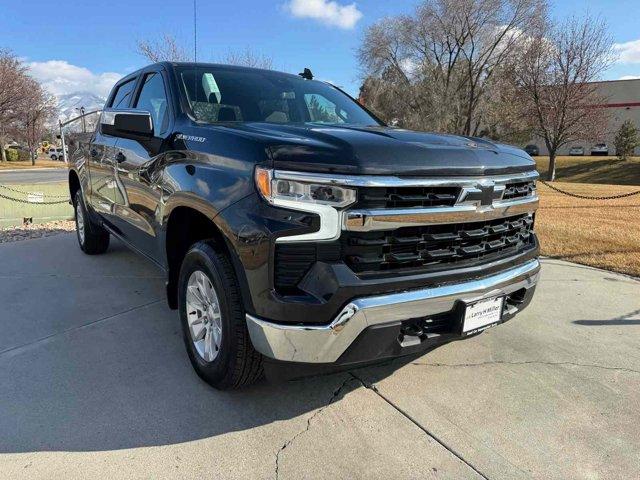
(19, 348)
(526, 362)
(373, 388)
(333, 398)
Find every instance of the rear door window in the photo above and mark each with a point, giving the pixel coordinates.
(123, 95)
(153, 99)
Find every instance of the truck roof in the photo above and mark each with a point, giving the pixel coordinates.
(212, 65)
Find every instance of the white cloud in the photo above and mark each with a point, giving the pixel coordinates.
(60, 77)
(629, 51)
(630, 77)
(328, 12)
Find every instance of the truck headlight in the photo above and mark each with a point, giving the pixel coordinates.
(274, 189)
(322, 199)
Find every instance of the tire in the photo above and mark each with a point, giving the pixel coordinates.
(92, 237)
(54, 157)
(230, 362)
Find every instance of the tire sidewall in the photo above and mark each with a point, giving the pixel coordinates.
(79, 203)
(203, 257)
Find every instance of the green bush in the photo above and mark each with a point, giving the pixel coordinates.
(12, 154)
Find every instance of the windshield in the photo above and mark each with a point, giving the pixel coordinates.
(219, 94)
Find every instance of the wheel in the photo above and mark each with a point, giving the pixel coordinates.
(54, 157)
(92, 238)
(213, 320)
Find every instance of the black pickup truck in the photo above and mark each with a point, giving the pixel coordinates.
(296, 228)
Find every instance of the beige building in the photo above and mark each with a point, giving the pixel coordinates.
(623, 103)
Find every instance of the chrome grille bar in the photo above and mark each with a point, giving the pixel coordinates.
(391, 181)
(390, 219)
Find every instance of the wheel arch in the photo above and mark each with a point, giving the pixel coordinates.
(74, 184)
(186, 224)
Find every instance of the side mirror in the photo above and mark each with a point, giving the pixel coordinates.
(134, 125)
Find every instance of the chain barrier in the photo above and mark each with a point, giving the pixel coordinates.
(34, 194)
(589, 197)
(19, 200)
(15, 190)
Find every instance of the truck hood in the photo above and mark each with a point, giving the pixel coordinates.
(383, 151)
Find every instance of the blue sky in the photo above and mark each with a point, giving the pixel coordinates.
(85, 45)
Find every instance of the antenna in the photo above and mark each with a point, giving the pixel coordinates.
(195, 31)
(195, 49)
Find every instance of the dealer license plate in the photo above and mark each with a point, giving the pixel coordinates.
(482, 314)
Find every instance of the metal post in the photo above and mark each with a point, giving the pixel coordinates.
(64, 148)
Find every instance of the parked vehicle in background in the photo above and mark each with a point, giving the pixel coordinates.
(576, 151)
(56, 153)
(532, 150)
(294, 227)
(600, 149)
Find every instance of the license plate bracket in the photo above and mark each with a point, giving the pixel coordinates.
(482, 314)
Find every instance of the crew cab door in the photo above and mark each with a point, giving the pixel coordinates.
(102, 155)
(138, 201)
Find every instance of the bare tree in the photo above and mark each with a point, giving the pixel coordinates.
(12, 88)
(168, 48)
(164, 49)
(248, 58)
(555, 76)
(36, 110)
(439, 63)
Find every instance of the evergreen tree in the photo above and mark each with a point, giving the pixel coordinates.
(626, 140)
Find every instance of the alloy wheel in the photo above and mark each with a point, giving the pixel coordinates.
(204, 316)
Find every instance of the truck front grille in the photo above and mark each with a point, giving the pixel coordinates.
(518, 190)
(427, 246)
(406, 226)
(407, 197)
(423, 248)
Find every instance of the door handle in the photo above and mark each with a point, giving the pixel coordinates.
(120, 157)
(93, 152)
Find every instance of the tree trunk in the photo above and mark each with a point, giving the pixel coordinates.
(29, 147)
(551, 175)
(3, 154)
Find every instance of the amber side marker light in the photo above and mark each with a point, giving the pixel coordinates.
(263, 181)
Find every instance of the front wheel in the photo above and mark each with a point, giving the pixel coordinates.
(92, 237)
(213, 320)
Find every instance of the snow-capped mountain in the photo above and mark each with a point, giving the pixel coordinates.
(68, 103)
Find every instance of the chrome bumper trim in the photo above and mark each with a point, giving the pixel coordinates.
(388, 219)
(326, 343)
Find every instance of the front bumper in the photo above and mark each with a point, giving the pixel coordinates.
(326, 344)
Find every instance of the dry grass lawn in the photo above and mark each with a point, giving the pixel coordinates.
(41, 162)
(608, 170)
(603, 234)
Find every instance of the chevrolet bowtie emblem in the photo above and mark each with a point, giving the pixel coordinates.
(482, 194)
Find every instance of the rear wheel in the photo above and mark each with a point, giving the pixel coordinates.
(92, 237)
(213, 320)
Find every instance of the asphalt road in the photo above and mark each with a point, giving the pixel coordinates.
(40, 175)
(95, 383)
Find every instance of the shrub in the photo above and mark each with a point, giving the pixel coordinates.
(12, 154)
(23, 156)
(626, 140)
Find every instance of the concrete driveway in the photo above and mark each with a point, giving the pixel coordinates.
(94, 383)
